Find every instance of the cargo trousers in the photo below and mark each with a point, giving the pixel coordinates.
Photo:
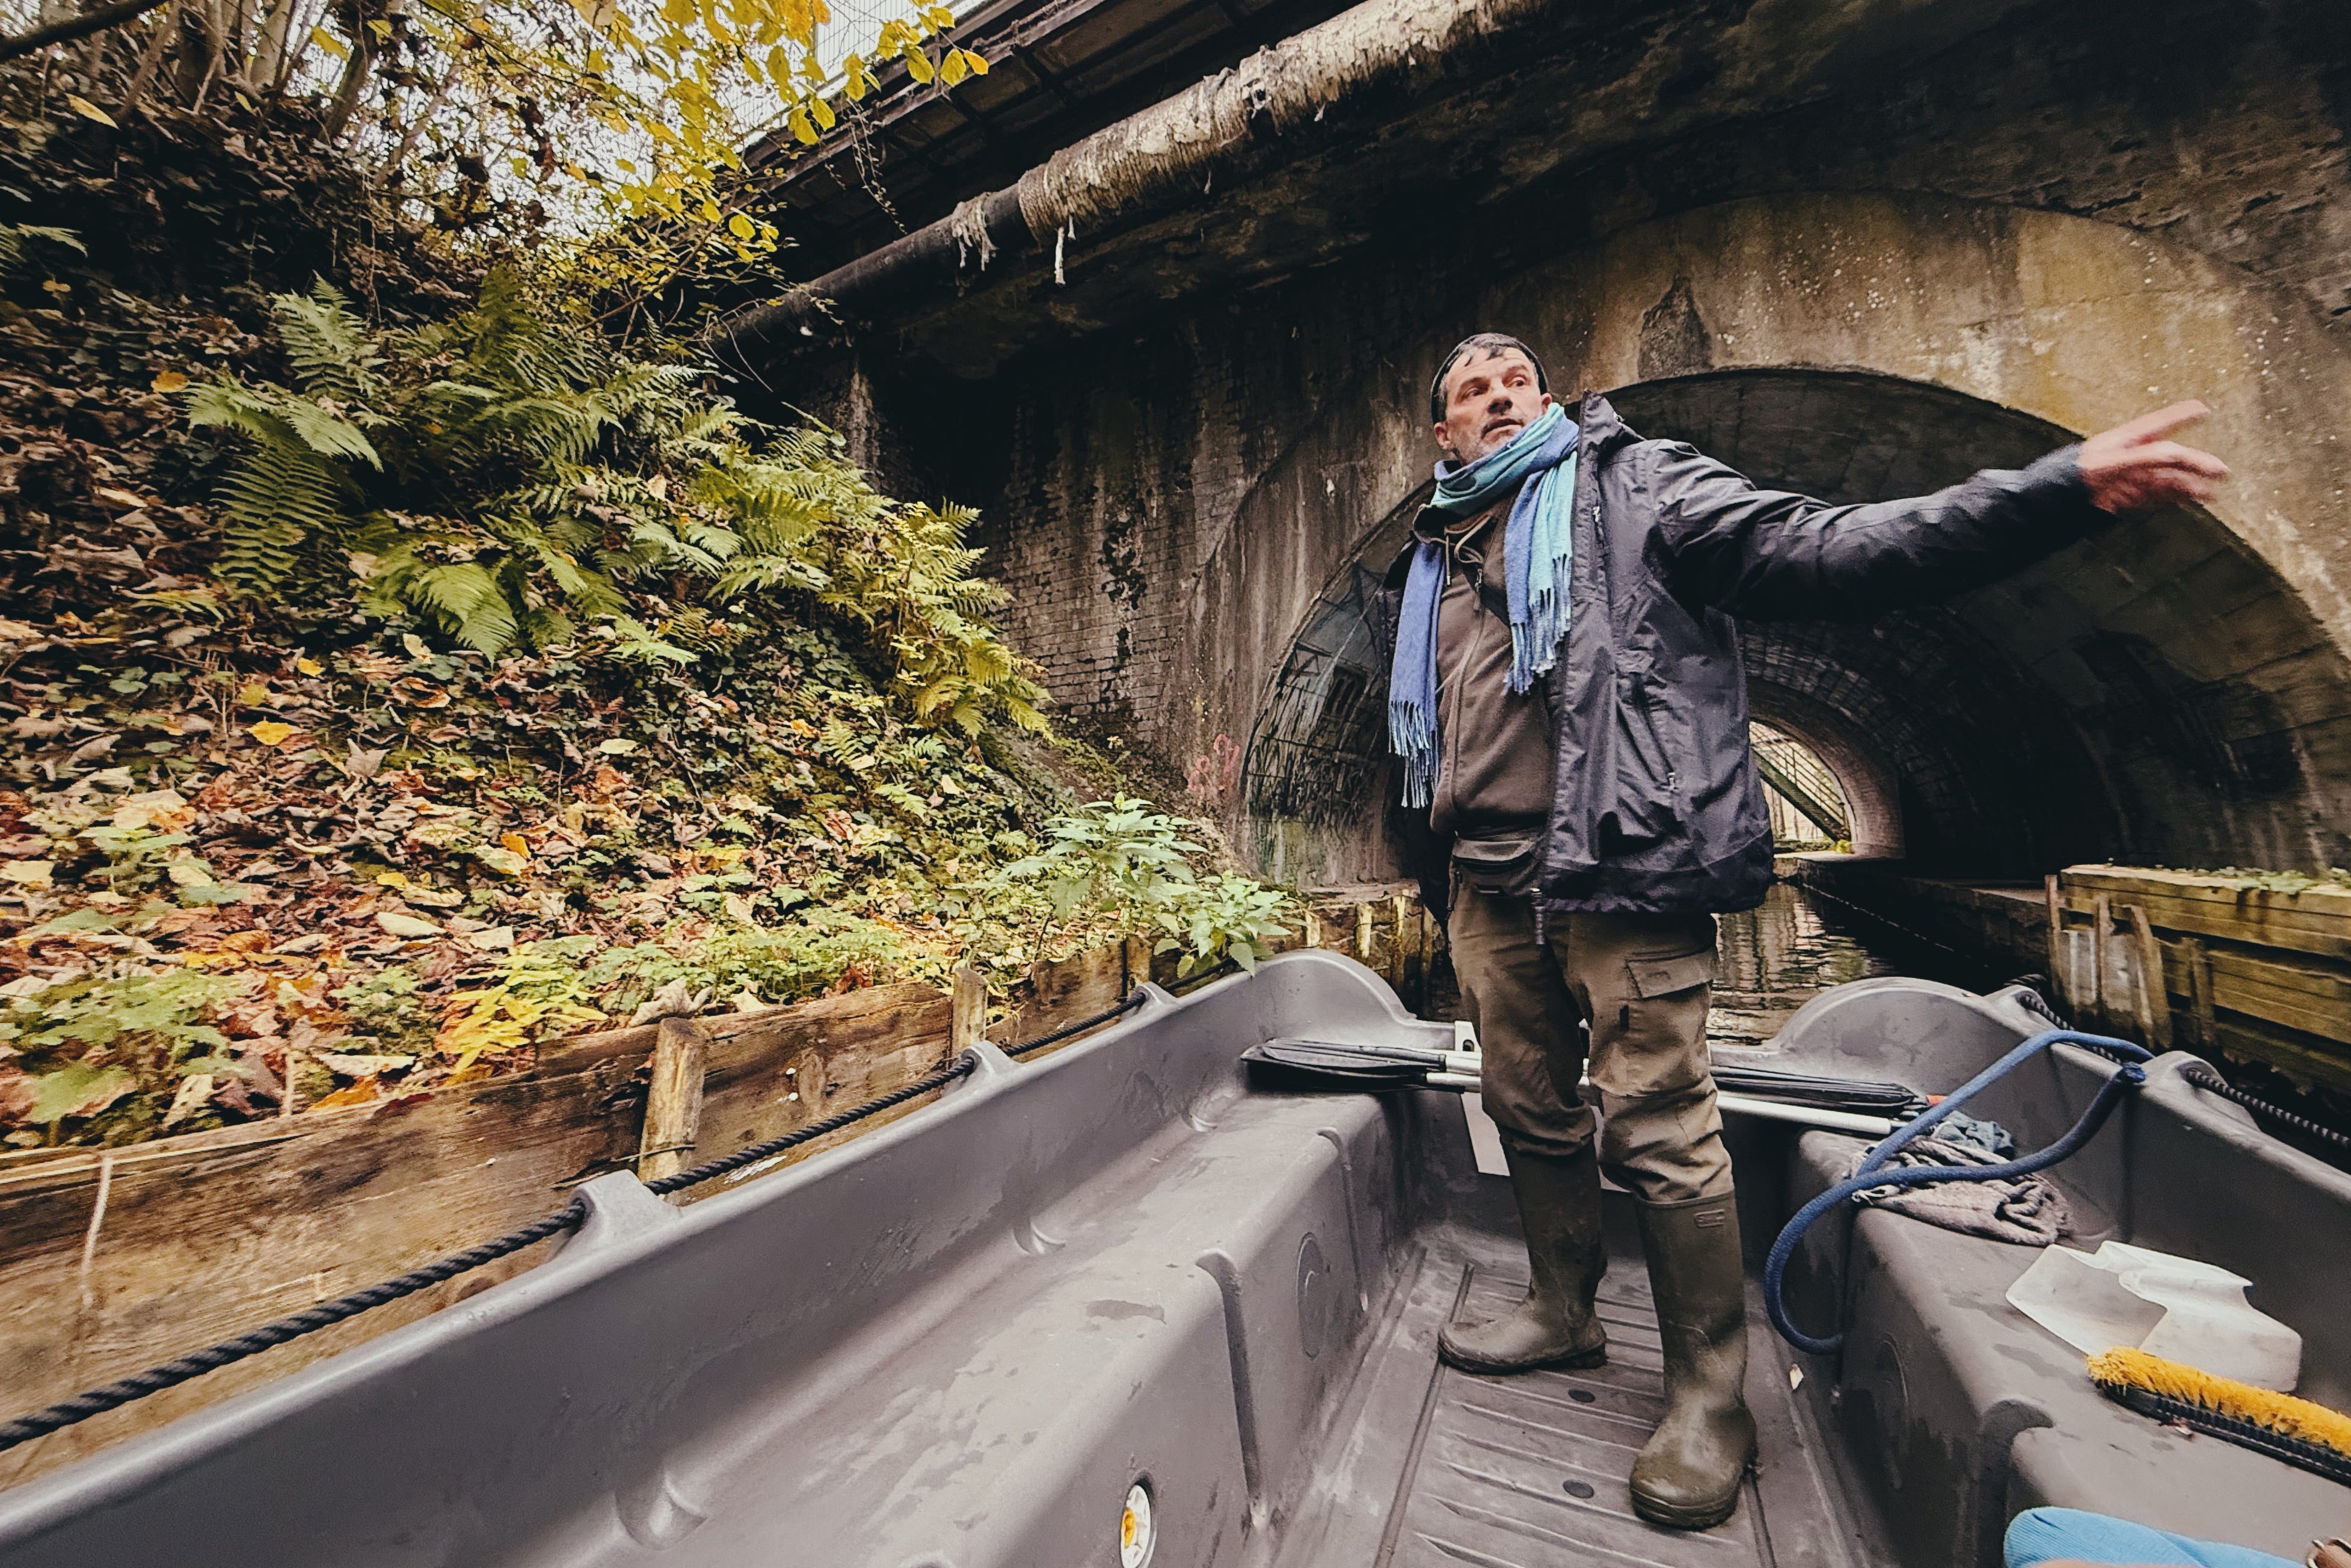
(1643, 982)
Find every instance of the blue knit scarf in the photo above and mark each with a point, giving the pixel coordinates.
(1537, 546)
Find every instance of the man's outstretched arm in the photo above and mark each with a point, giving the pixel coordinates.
(1772, 555)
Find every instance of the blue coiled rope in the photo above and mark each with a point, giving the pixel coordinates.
(2127, 1077)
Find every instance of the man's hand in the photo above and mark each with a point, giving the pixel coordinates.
(2135, 468)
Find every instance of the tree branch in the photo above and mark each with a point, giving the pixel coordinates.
(81, 26)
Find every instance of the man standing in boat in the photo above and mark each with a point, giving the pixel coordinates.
(1569, 708)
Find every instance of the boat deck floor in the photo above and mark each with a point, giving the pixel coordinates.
(1437, 1467)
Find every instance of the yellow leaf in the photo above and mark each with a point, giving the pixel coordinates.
(824, 118)
(331, 43)
(358, 1093)
(405, 924)
(269, 732)
(90, 110)
(919, 63)
(740, 227)
(310, 667)
(169, 382)
(951, 69)
(977, 61)
(801, 129)
(515, 843)
(253, 694)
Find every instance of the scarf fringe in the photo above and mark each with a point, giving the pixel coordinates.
(1412, 681)
(1537, 551)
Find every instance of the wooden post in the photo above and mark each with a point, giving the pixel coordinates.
(1364, 933)
(1399, 909)
(967, 1023)
(1312, 924)
(2057, 942)
(2154, 1006)
(2200, 995)
(673, 1103)
(2102, 919)
(1428, 933)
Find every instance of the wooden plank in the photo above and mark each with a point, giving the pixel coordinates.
(2315, 920)
(1426, 929)
(1363, 933)
(968, 1011)
(199, 1245)
(2057, 942)
(209, 1235)
(673, 1100)
(2314, 1001)
(2102, 922)
(2306, 1061)
(2154, 990)
(1062, 991)
(812, 1059)
(1399, 914)
(2200, 992)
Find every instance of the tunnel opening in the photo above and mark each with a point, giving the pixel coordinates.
(2156, 695)
(1800, 791)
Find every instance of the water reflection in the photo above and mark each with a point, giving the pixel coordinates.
(1774, 959)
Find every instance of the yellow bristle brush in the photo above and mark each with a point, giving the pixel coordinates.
(2309, 1437)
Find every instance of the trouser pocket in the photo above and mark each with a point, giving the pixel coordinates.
(1644, 983)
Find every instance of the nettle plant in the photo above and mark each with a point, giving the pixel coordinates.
(1121, 861)
(508, 479)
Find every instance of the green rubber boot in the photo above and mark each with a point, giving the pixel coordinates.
(1559, 1209)
(1688, 1475)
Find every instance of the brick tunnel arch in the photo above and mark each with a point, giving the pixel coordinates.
(2174, 691)
(2072, 713)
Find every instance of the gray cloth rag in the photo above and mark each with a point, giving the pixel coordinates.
(2024, 1210)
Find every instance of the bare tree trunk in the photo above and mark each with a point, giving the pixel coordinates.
(391, 165)
(158, 42)
(269, 51)
(355, 75)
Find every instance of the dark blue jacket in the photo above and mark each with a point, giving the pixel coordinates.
(1656, 804)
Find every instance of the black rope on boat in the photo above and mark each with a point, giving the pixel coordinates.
(2201, 1074)
(2205, 1077)
(170, 1374)
(326, 1314)
(962, 1066)
(1127, 1003)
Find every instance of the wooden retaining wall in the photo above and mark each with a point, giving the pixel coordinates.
(2172, 959)
(114, 1261)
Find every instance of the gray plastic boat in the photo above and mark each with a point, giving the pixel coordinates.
(1117, 1308)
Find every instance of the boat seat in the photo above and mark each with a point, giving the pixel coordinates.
(1961, 1411)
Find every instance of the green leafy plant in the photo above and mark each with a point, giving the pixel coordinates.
(17, 241)
(110, 1042)
(1121, 861)
(504, 477)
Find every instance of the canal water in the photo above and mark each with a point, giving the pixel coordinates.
(1774, 959)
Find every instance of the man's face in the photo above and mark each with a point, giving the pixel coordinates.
(1490, 397)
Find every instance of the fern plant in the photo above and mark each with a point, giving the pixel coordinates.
(504, 477)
